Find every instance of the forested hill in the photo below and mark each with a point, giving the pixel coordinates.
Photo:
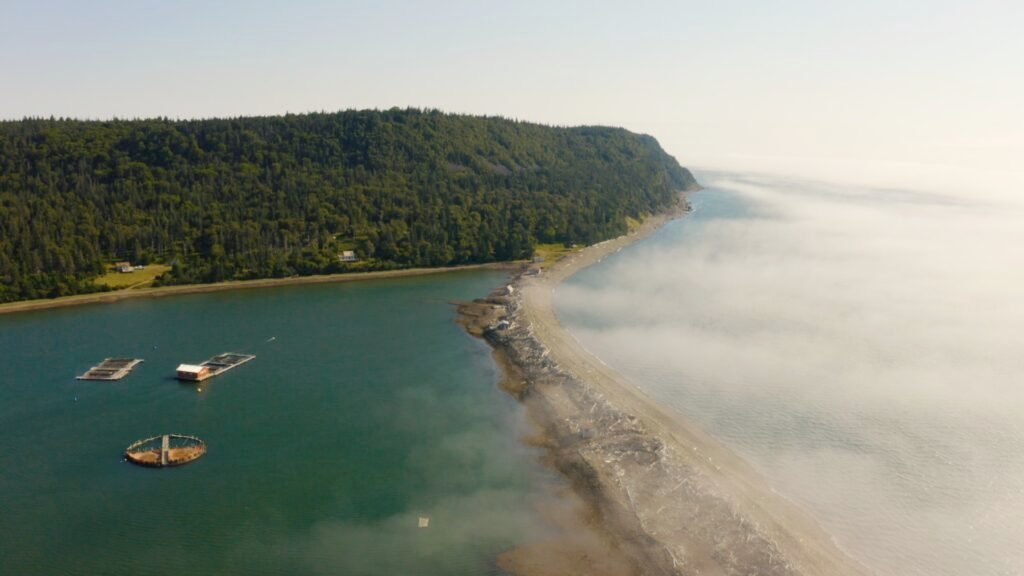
(278, 196)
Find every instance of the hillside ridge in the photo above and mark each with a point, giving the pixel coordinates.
(277, 196)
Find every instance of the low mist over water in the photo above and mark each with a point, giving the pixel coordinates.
(862, 347)
(365, 409)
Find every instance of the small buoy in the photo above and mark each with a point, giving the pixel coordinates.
(199, 389)
(424, 522)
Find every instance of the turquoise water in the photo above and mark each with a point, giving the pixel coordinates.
(859, 346)
(366, 408)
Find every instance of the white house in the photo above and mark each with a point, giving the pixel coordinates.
(192, 372)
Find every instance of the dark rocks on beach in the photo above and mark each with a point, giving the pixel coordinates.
(661, 509)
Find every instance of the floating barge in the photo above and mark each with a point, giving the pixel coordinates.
(111, 369)
(213, 367)
(165, 450)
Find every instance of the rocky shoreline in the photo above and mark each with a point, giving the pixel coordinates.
(180, 289)
(667, 498)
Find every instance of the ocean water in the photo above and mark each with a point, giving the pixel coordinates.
(365, 408)
(861, 347)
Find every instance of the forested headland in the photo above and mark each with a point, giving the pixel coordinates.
(259, 197)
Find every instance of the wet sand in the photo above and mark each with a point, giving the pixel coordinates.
(671, 498)
(118, 295)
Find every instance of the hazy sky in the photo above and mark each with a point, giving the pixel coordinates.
(808, 86)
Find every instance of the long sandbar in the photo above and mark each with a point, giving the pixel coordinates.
(676, 500)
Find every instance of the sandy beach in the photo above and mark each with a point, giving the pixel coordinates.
(673, 499)
(650, 493)
(118, 295)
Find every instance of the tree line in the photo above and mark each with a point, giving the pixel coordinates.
(258, 197)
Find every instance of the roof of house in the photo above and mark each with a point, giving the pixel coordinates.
(190, 368)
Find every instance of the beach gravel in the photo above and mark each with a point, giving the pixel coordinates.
(672, 499)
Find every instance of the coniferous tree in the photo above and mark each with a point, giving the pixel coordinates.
(248, 198)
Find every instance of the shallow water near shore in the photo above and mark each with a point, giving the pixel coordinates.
(365, 408)
(858, 346)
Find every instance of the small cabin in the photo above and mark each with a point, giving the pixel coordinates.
(124, 267)
(192, 372)
(348, 256)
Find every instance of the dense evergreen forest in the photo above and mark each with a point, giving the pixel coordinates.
(278, 196)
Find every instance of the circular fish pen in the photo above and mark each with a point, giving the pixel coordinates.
(165, 450)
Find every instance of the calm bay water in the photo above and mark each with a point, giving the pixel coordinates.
(365, 408)
(859, 346)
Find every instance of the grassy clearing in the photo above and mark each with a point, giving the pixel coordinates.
(552, 253)
(135, 279)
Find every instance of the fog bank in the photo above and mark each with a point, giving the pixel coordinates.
(859, 345)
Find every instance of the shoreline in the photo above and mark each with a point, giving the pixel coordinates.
(162, 291)
(672, 499)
